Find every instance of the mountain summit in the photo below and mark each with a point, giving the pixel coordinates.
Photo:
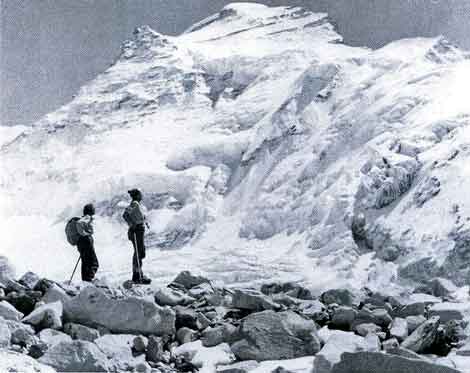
(266, 149)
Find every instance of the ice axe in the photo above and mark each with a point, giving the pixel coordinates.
(76, 265)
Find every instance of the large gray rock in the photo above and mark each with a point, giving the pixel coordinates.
(92, 307)
(413, 322)
(343, 297)
(172, 297)
(76, 356)
(423, 337)
(222, 333)
(52, 337)
(376, 362)
(14, 362)
(448, 311)
(8, 312)
(84, 333)
(269, 335)
(118, 349)
(399, 329)
(188, 280)
(343, 318)
(46, 316)
(442, 287)
(252, 300)
(240, 367)
(5, 334)
(337, 343)
(6, 270)
(29, 280)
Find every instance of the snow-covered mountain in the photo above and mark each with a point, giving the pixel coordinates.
(266, 149)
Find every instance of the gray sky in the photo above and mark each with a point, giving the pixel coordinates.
(49, 48)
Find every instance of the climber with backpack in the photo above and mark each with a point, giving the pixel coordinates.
(135, 219)
(79, 231)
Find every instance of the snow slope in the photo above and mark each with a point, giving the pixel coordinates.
(266, 150)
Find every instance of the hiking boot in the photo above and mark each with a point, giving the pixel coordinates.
(136, 279)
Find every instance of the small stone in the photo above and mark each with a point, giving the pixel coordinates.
(37, 350)
(423, 337)
(413, 322)
(372, 342)
(186, 335)
(188, 280)
(142, 368)
(84, 333)
(343, 318)
(29, 280)
(390, 344)
(140, 344)
(364, 329)
(154, 349)
(47, 316)
(342, 297)
(399, 328)
(8, 312)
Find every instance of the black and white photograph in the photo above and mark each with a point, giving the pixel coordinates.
(217, 186)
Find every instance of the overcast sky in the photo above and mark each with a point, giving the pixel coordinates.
(49, 48)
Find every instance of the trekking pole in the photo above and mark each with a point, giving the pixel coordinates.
(137, 257)
(76, 265)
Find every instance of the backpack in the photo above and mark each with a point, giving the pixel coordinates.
(132, 215)
(71, 231)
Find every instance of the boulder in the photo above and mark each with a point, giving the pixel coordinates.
(204, 358)
(214, 336)
(155, 349)
(6, 270)
(139, 344)
(361, 362)
(289, 288)
(240, 367)
(188, 280)
(46, 316)
(343, 318)
(172, 297)
(448, 311)
(55, 293)
(23, 337)
(14, 362)
(29, 280)
(269, 335)
(343, 297)
(118, 349)
(84, 333)
(201, 290)
(372, 342)
(423, 337)
(5, 334)
(186, 335)
(336, 344)
(76, 356)
(412, 309)
(92, 307)
(52, 337)
(366, 316)
(441, 287)
(25, 301)
(315, 310)
(252, 300)
(186, 317)
(413, 322)
(8, 312)
(368, 328)
(399, 329)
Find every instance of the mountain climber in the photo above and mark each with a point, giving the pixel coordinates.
(135, 218)
(85, 243)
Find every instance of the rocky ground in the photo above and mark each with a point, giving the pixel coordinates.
(192, 325)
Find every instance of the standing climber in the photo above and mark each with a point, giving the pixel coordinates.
(135, 218)
(85, 243)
